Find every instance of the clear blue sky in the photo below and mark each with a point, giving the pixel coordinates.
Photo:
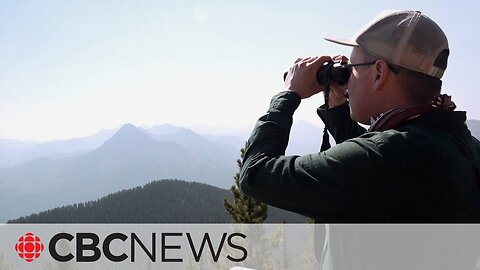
(70, 68)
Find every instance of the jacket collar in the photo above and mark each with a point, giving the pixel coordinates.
(438, 106)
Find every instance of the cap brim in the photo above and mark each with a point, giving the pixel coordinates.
(341, 41)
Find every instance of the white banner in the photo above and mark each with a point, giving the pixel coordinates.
(232, 246)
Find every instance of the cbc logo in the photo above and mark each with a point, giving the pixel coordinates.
(29, 247)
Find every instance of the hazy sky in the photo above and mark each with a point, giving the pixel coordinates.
(70, 68)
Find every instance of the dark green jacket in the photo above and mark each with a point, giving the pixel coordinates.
(427, 170)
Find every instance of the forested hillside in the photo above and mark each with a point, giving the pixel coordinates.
(165, 201)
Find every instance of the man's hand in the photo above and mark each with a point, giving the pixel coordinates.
(301, 77)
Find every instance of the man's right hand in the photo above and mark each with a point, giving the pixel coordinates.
(301, 77)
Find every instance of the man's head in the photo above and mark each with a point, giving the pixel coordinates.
(410, 54)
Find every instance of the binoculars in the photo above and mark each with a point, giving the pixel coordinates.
(337, 72)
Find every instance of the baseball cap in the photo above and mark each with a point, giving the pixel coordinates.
(405, 38)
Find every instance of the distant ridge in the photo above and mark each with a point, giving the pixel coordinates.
(14, 152)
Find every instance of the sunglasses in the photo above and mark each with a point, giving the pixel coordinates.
(341, 73)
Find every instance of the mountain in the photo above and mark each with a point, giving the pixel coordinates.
(128, 159)
(162, 129)
(166, 201)
(82, 169)
(71, 146)
(474, 126)
(11, 151)
(17, 152)
(234, 141)
(200, 145)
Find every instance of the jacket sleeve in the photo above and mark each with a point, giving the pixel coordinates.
(317, 185)
(339, 123)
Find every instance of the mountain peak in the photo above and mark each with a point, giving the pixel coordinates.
(127, 126)
(128, 134)
(129, 130)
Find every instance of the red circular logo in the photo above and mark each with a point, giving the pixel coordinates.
(29, 247)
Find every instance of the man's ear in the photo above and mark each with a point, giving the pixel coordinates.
(381, 74)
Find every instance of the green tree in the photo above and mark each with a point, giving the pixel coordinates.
(244, 209)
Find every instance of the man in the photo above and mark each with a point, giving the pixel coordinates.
(418, 161)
